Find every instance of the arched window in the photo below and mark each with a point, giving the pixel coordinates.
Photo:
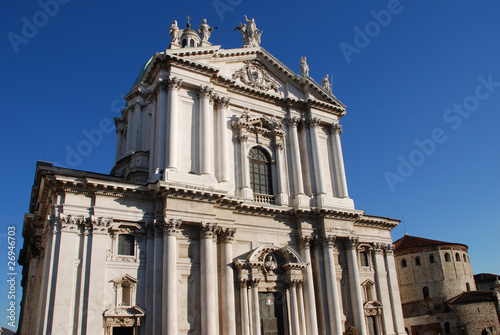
(403, 263)
(260, 171)
(457, 257)
(126, 245)
(426, 292)
(465, 258)
(447, 257)
(417, 261)
(447, 328)
(467, 286)
(431, 259)
(126, 293)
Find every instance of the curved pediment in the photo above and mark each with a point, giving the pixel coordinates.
(285, 255)
(260, 124)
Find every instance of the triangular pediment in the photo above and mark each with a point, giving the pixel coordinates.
(246, 69)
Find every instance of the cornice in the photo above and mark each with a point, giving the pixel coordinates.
(351, 215)
(377, 222)
(186, 192)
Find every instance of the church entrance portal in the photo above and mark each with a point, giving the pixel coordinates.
(123, 330)
(271, 313)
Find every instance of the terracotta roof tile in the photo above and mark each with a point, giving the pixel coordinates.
(409, 241)
(472, 296)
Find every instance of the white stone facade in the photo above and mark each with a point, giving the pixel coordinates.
(227, 212)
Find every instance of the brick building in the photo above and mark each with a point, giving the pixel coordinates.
(438, 291)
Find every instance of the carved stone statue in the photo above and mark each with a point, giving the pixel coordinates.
(270, 264)
(251, 35)
(325, 83)
(175, 33)
(304, 68)
(204, 30)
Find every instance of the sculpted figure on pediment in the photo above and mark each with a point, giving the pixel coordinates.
(251, 34)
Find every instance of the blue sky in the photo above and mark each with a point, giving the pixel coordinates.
(421, 81)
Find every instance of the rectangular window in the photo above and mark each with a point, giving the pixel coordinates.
(363, 255)
(126, 245)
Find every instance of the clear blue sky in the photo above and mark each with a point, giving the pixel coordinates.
(404, 69)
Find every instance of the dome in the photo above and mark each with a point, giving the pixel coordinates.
(142, 71)
(189, 38)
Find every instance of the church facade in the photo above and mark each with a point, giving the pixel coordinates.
(227, 211)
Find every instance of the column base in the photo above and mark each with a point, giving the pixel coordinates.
(282, 199)
(301, 202)
(247, 193)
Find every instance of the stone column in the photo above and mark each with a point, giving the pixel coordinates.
(157, 313)
(294, 308)
(282, 198)
(309, 297)
(169, 283)
(295, 153)
(338, 159)
(227, 282)
(150, 249)
(319, 287)
(119, 139)
(97, 274)
(152, 136)
(245, 316)
(222, 141)
(206, 130)
(397, 311)
(246, 190)
(355, 285)
(84, 273)
(161, 120)
(383, 289)
(316, 153)
(331, 285)
(130, 128)
(172, 125)
(208, 266)
(302, 314)
(255, 306)
(136, 142)
(59, 316)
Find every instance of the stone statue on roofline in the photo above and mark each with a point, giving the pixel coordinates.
(204, 30)
(325, 83)
(304, 68)
(175, 33)
(250, 33)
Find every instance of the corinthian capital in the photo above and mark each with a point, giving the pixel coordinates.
(174, 83)
(389, 248)
(329, 240)
(207, 230)
(171, 226)
(223, 101)
(206, 91)
(226, 234)
(293, 122)
(314, 122)
(353, 242)
(336, 128)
